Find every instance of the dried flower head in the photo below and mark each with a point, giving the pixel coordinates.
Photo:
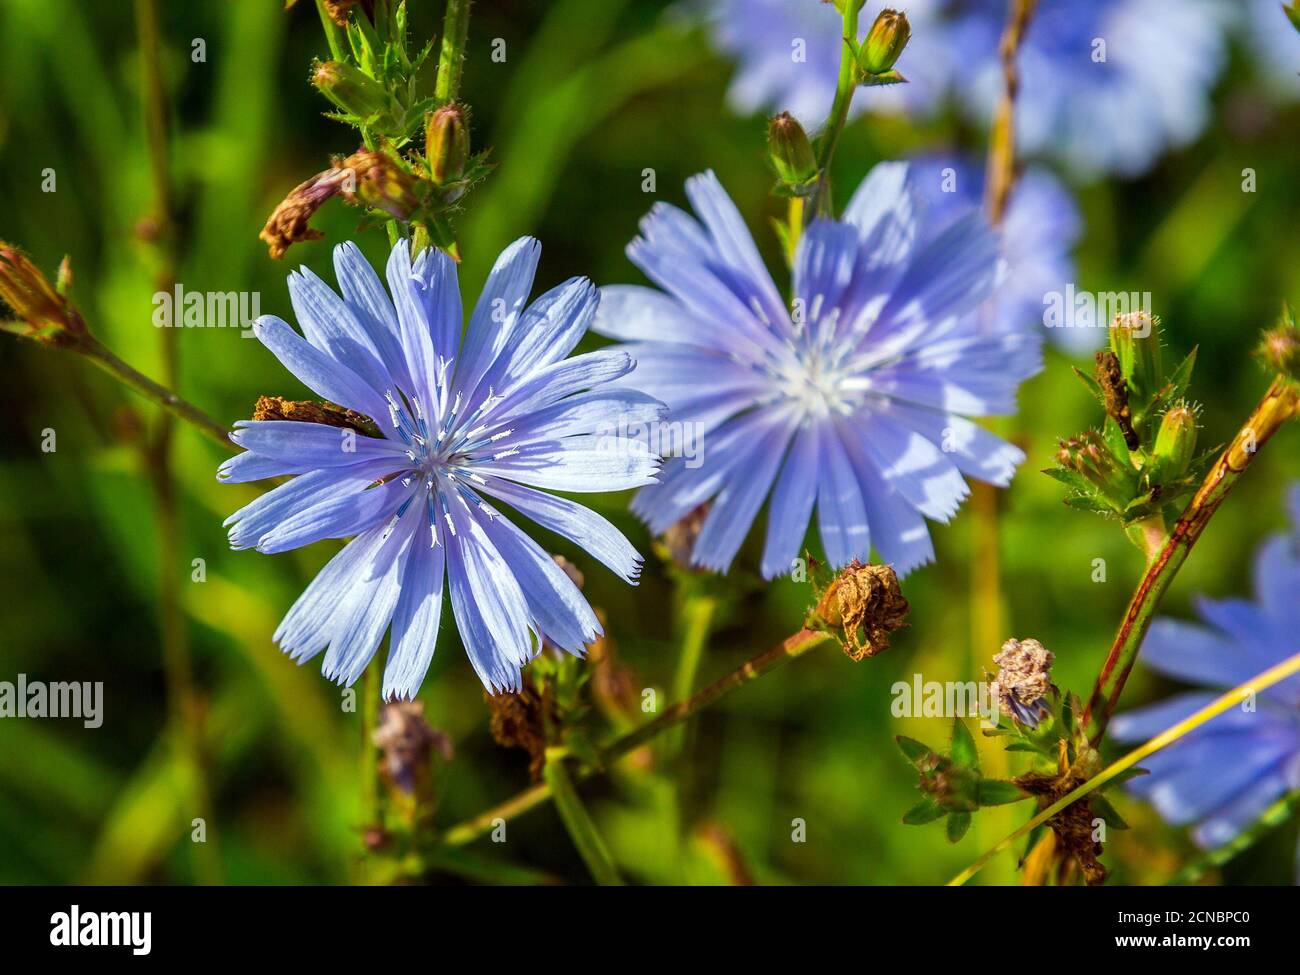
(287, 224)
(867, 603)
(1024, 680)
(43, 313)
(408, 741)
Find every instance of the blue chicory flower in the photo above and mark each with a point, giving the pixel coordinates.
(788, 57)
(496, 414)
(1106, 86)
(1224, 774)
(1039, 229)
(855, 396)
(1274, 45)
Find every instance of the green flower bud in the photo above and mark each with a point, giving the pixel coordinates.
(349, 88)
(791, 152)
(1135, 339)
(1176, 441)
(955, 788)
(446, 144)
(885, 42)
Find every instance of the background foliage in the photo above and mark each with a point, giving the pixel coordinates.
(592, 92)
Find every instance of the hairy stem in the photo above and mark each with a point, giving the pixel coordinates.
(1243, 692)
(791, 648)
(822, 203)
(451, 55)
(582, 829)
(100, 354)
(1279, 404)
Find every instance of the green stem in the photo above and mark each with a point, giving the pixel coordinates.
(1279, 404)
(104, 357)
(698, 612)
(582, 829)
(451, 56)
(844, 88)
(1243, 692)
(791, 648)
(333, 33)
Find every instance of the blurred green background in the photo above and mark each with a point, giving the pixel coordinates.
(591, 93)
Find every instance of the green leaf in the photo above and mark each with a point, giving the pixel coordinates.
(1024, 746)
(958, 824)
(1092, 384)
(915, 751)
(1102, 807)
(964, 751)
(925, 811)
(996, 792)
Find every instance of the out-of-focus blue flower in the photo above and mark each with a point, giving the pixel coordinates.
(1224, 774)
(854, 396)
(1039, 230)
(495, 415)
(1107, 86)
(788, 57)
(1275, 46)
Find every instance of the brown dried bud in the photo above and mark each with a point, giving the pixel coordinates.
(867, 603)
(43, 313)
(679, 539)
(1110, 377)
(338, 10)
(1024, 680)
(519, 721)
(408, 741)
(309, 411)
(380, 183)
(287, 224)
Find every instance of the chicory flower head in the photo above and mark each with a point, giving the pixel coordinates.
(1224, 774)
(463, 422)
(1039, 229)
(854, 397)
(1106, 86)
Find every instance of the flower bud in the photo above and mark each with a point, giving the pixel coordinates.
(446, 144)
(351, 89)
(884, 42)
(1088, 455)
(43, 314)
(1135, 339)
(1280, 348)
(791, 152)
(955, 788)
(380, 183)
(1176, 441)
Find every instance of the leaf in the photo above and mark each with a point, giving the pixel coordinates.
(1102, 807)
(1024, 746)
(1113, 437)
(958, 824)
(925, 811)
(964, 751)
(1093, 386)
(915, 751)
(996, 792)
